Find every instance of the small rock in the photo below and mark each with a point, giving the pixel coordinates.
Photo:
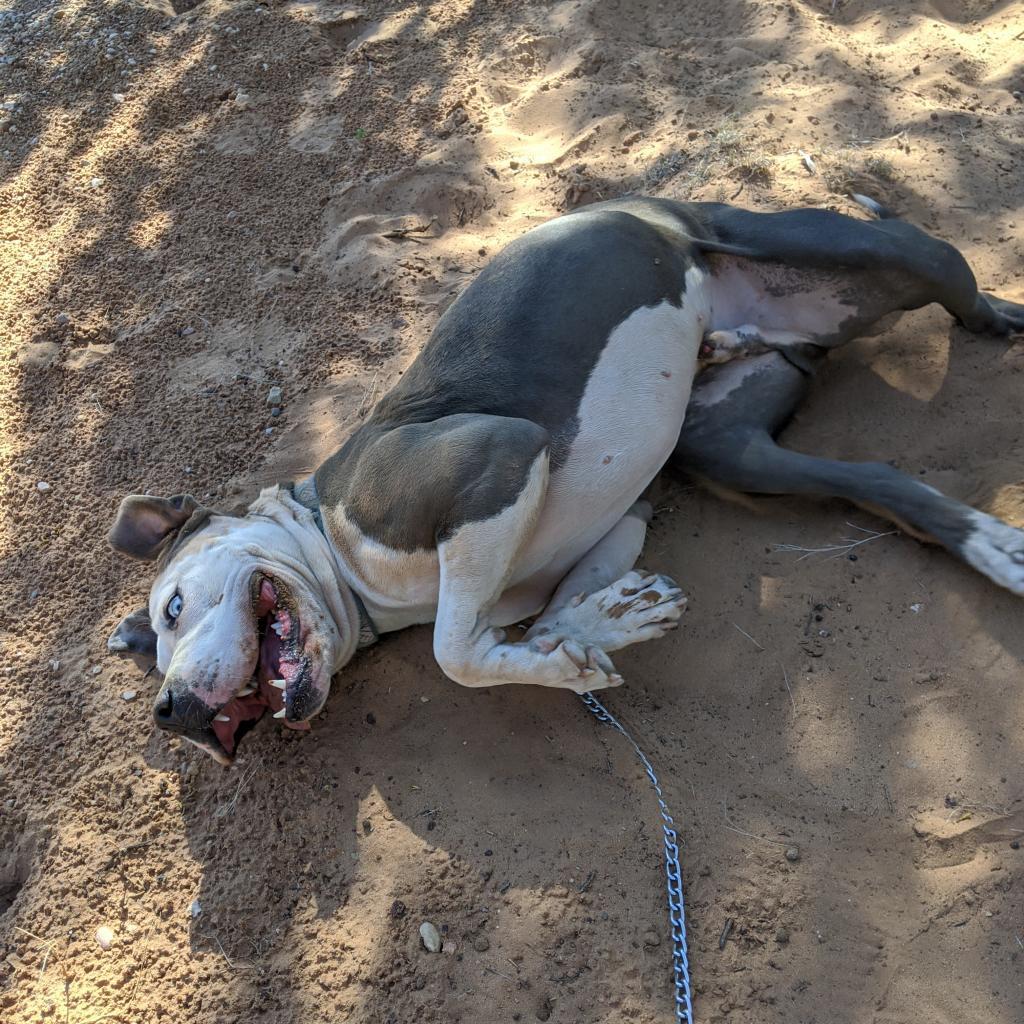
(276, 411)
(398, 910)
(431, 937)
(243, 100)
(118, 97)
(481, 944)
(275, 396)
(1014, 844)
(195, 908)
(782, 936)
(105, 937)
(128, 695)
(449, 946)
(62, 319)
(96, 669)
(187, 331)
(95, 182)
(652, 939)
(42, 486)
(793, 853)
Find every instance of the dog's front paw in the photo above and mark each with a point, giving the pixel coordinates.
(582, 667)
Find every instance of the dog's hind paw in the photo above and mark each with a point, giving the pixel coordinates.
(1009, 316)
(634, 608)
(996, 549)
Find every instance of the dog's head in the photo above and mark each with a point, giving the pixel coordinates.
(246, 615)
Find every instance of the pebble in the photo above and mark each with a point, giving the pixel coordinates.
(42, 486)
(275, 396)
(782, 936)
(128, 695)
(398, 910)
(793, 853)
(431, 937)
(118, 97)
(450, 946)
(195, 908)
(187, 331)
(652, 939)
(481, 944)
(276, 411)
(62, 320)
(105, 937)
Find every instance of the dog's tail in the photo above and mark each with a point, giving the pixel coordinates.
(872, 206)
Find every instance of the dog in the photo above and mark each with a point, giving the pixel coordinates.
(501, 479)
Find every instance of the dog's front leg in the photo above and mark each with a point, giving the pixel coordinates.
(476, 563)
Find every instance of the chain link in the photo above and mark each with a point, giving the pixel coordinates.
(673, 871)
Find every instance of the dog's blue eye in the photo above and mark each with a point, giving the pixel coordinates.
(173, 609)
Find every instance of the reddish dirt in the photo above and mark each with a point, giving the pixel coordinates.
(240, 196)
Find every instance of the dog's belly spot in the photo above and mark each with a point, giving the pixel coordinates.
(780, 297)
(629, 420)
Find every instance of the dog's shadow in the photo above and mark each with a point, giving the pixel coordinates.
(414, 800)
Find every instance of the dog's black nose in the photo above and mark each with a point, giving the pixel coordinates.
(181, 712)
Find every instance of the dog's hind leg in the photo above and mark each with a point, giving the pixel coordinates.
(728, 439)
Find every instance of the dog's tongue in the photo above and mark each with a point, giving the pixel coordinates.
(241, 709)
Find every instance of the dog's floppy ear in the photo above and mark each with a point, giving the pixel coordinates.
(144, 524)
(134, 638)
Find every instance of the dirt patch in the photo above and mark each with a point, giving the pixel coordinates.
(202, 201)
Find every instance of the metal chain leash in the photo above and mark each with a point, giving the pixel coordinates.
(673, 871)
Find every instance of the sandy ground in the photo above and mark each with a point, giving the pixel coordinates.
(200, 202)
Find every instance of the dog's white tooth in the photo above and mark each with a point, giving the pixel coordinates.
(246, 690)
(222, 718)
(279, 714)
(278, 628)
(279, 683)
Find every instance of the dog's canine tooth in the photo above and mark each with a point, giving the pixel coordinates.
(279, 683)
(279, 714)
(245, 691)
(278, 628)
(222, 718)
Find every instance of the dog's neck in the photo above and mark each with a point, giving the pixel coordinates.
(320, 563)
(305, 493)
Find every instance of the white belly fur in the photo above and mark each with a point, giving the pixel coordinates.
(629, 421)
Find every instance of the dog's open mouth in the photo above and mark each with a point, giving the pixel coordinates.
(281, 682)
